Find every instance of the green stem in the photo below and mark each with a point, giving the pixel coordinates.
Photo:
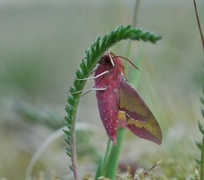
(202, 160)
(199, 25)
(112, 165)
(107, 154)
(133, 24)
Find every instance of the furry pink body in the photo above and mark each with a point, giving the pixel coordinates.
(108, 99)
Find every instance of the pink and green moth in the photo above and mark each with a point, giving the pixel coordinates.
(119, 103)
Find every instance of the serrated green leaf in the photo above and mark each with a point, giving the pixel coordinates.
(69, 154)
(66, 131)
(87, 52)
(103, 44)
(114, 35)
(71, 167)
(124, 32)
(68, 150)
(203, 77)
(199, 145)
(201, 100)
(70, 110)
(67, 140)
(71, 99)
(98, 44)
(202, 112)
(67, 105)
(72, 90)
(79, 74)
(68, 117)
(89, 62)
(83, 66)
(78, 85)
(92, 51)
(68, 123)
(198, 161)
(200, 126)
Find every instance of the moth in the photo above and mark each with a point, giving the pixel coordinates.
(119, 103)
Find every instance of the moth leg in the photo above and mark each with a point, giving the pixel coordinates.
(95, 77)
(89, 90)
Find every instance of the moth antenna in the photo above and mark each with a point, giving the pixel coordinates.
(128, 61)
(111, 59)
(95, 77)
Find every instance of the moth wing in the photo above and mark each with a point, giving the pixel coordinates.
(139, 118)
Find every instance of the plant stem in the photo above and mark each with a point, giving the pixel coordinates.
(133, 24)
(202, 160)
(113, 157)
(74, 159)
(199, 26)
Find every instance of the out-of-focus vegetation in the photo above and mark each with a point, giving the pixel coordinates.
(41, 45)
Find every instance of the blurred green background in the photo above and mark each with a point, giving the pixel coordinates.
(41, 45)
